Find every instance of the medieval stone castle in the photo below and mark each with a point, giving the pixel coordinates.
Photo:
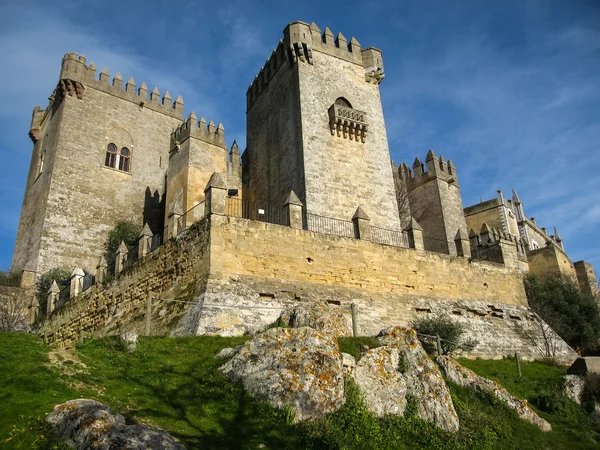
(314, 209)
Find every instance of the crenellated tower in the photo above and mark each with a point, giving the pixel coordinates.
(100, 155)
(315, 125)
(432, 195)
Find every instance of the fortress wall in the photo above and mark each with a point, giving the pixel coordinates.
(264, 250)
(551, 261)
(259, 270)
(173, 270)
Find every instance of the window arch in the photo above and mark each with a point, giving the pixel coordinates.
(124, 164)
(111, 156)
(343, 102)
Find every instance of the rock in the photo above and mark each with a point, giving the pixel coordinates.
(129, 341)
(86, 424)
(383, 387)
(573, 386)
(585, 365)
(466, 377)
(319, 316)
(348, 364)
(227, 352)
(424, 380)
(294, 367)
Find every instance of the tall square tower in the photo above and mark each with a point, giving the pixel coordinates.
(315, 126)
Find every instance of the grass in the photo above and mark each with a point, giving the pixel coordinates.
(174, 384)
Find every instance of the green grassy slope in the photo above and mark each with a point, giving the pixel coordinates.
(174, 384)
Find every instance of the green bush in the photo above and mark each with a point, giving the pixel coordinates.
(61, 275)
(449, 331)
(124, 231)
(569, 312)
(9, 279)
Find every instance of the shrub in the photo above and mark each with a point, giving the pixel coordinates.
(9, 279)
(569, 312)
(124, 231)
(61, 275)
(449, 331)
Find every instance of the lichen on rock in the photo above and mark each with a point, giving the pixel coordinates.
(299, 368)
(320, 316)
(382, 385)
(424, 380)
(86, 424)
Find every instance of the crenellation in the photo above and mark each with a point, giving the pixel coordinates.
(130, 86)
(118, 81)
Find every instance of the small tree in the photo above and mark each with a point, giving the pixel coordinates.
(123, 231)
(569, 312)
(13, 313)
(61, 275)
(449, 331)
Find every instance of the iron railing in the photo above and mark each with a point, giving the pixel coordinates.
(329, 225)
(260, 211)
(388, 237)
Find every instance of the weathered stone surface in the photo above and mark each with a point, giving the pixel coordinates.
(227, 352)
(382, 385)
(573, 386)
(423, 378)
(349, 364)
(129, 340)
(465, 377)
(296, 367)
(319, 316)
(585, 365)
(87, 424)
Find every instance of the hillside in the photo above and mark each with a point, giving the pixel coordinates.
(174, 384)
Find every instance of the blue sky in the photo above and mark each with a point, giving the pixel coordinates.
(510, 90)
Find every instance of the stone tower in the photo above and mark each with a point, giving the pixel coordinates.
(435, 202)
(100, 155)
(315, 126)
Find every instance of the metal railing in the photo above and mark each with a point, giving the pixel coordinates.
(131, 256)
(191, 216)
(388, 237)
(86, 282)
(329, 225)
(260, 211)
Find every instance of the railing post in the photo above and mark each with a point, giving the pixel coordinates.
(149, 312)
(175, 212)
(120, 257)
(144, 241)
(52, 297)
(215, 195)
(354, 320)
(415, 235)
(362, 225)
(463, 247)
(101, 270)
(292, 208)
(76, 278)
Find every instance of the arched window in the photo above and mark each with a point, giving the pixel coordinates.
(343, 102)
(124, 160)
(111, 156)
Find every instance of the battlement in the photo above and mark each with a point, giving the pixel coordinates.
(199, 130)
(76, 76)
(433, 168)
(491, 244)
(300, 40)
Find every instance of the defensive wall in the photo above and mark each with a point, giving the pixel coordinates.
(234, 276)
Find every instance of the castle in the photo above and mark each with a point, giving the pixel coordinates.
(316, 174)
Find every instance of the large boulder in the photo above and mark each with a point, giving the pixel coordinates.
(87, 424)
(320, 316)
(424, 381)
(466, 377)
(585, 365)
(294, 367)
(382, 385)
(573, 386)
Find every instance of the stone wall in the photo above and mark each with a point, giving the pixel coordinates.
(550, 260)
(175, 270)
(241, 275)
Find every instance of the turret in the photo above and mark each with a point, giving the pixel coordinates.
(73, 68)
